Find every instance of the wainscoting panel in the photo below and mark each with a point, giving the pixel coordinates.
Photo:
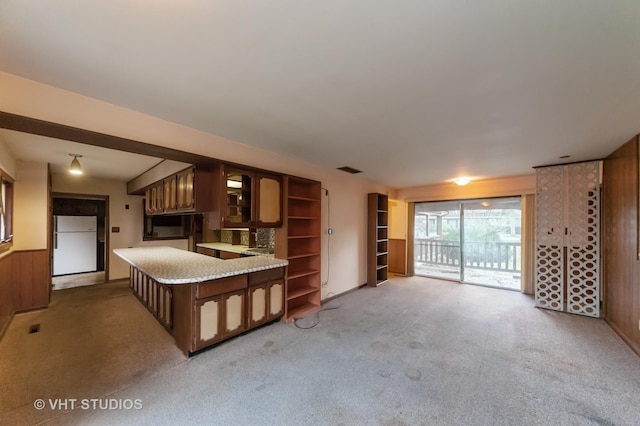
(6, 291)
(398, 256)
(31, 279)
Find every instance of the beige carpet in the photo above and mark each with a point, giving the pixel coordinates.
(92, 342)
(414, 351)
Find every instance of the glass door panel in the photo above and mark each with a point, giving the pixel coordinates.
(471, 241)
(437, 239)
(491, 242)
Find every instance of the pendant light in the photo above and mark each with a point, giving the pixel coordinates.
(75, 168)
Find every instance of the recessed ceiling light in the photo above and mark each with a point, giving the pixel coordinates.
(462, 181)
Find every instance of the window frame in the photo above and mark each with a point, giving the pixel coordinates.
(6, 209)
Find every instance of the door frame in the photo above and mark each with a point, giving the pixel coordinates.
(76, 196)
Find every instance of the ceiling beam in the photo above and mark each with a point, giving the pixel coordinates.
(74, 134)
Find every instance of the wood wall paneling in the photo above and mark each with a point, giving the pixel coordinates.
(398, 256)
(31, 279)
(6, 292)
(621, 267)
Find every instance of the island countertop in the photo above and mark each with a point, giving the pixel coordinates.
(168, 265)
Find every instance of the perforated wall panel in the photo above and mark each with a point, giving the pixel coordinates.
(549, 238)
(583, 253)
(567, 238)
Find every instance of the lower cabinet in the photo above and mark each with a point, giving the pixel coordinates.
(219, 317)
(210, 312)
(266, 302)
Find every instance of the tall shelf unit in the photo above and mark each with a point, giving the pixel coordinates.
(377, 239)
(298, 241)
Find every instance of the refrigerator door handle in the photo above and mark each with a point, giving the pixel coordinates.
(55, 241)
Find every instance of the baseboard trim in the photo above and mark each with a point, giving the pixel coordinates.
(329, 299)
(34, 308)
(635, 348)
(6, 326)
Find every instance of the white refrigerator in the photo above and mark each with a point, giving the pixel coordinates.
(75, 244)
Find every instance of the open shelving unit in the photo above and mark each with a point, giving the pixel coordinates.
(377, 239)
(298, 241)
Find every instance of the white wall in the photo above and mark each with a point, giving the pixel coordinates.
(30, 202)
(130, 221)
(346, 248)
(7, 162)
(501, 187)
(398, 211)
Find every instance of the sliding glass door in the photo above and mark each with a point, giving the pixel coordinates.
(471, 241)
(437, 239)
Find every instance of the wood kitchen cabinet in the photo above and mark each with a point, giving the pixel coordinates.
(210, 312)
(154, 199)
(185, 189)
(250, 199)
(199, 314)
(265, 296)
(188, 191)
(170, 194)
(219, 317)
(268, 201)
(238, 195)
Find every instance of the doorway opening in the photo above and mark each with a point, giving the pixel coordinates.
(79, 240)
(470, 241)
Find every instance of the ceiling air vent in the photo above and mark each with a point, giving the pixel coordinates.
(349, 170)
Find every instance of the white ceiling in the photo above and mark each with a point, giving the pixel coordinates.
(410, 92)
(95, 161)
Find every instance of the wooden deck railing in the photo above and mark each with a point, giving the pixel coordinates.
(495, 256)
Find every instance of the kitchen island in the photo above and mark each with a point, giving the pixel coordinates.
(202, 300)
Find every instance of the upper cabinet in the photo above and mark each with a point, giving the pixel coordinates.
(251, 199)
(187, 191)
(170, 194)
(238, 194)
(269, 200)
(185, 187)
(233, 197)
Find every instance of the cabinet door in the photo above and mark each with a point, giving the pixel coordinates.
(275, 299)
(158, 205)
(239, 199)
(258, 297)
(266, 302)
(185, 197)
(170, 193)
(209, 321)
(269, 205)
(148, 201)
(234, 320)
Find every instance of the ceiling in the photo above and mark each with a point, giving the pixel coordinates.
(410, 92)
(95, 161)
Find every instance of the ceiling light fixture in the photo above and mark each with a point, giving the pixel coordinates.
(462, 181)
(75, 168)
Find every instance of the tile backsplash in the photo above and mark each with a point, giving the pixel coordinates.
(244, 238)
(265, 237)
